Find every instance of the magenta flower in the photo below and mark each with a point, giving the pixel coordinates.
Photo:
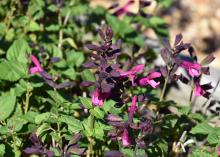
(202, 90)
(133, 106)
(37, 68)
(150, 79)
(98, 98)
(193, 69)
(125, 138)
(198, 91)
(123, 9)
(131, 73)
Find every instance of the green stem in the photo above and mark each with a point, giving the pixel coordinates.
(27, 101)
(135, 150)
(61, 31)
(9, 17)
(91, 140)
(191, 95)
(164, 86)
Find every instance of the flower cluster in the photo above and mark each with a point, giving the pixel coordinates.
(112, 83)
(174, 59)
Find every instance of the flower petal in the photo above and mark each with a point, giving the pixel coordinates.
(133, 71)
(34, 70)
(198, 90)
(153, 83)
(133, 106)
(98, 98)
(154, 75)
(125, 138)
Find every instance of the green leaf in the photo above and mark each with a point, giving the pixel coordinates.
(12, 70)
(202, 128)
(197, 116)
(87, 75)
(71, 42)
(98, 131)
(70, 73)
(10, 34)
(34, 26)
(19, 88)
(86, 102)
(42, 128)
(159, 25)
(57, 97)
(86, 125)
(201, 153)
(165, 3)
(18, 51)
(30, 116)
(53, 8)
(4, 130)
(97, 112)
(75, 58)
(213, 138)
(119, 26)
(74, 125)
(184, 110)
(16, 123)
(127, 152)
(107, 106)
(42, 117)
(2, 149)
(53, 28)
(7, 105)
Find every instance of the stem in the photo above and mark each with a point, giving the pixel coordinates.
(91, 140)
(135, 150)
(27, 101)
(9, 17)
(164, 86)
(62, 24)
(191, 95)
(61, 31)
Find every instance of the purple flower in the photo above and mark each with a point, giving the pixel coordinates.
(131, 73)
(38, 148)
(133, 106)
(150, 79)
(98, 98)
(125, 138)
(37, 68)
(193, 69)
(198, 90)
(123, 9)
(201, 90)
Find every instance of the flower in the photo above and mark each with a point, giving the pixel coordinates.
(98, 97)
(37, 68)
(37, 148)
(125, 138)
(193, 69)
(150, 79)
(201, 90)
(198, 90)
(123, 9)
(133, 106)
(131, 73)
